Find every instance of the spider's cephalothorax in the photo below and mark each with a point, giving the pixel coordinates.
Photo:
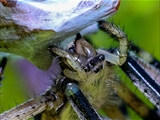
(86, 56)
(89, 68)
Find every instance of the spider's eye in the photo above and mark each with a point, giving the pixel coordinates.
(86, 68)
(72, 49)
(96, 70)
(101, 57)
(93, 62)
(51, 93)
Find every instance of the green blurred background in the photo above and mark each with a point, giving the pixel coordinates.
(141, 21)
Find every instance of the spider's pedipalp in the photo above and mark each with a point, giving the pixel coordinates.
(70, 58)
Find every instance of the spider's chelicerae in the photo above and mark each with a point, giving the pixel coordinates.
(87, 83)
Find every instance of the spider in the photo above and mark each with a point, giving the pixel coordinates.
(88, 69)
(53, 96)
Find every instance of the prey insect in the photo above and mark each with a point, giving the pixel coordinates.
(87, 69)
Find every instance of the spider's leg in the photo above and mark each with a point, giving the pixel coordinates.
(142, 80)
(123, 43)
(150, 64)
(131, 100)
(116, 111)
(139, 77)
(150, 69)
(145, 56)
(78, 101)
(143, 110)
(3, 63)
(50, 100)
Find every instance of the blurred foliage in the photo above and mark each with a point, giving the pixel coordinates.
(141, 21)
